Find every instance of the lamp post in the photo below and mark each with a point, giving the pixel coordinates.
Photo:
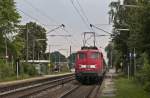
(134, 54)
(6, 50)
(27, 42)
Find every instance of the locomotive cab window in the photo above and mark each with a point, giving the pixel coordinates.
(81, 55)
(94, 55)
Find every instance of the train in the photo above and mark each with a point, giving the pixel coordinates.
(90, 65)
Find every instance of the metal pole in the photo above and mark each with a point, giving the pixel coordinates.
(94, 38)
(49, 58)
(70, 50)
(38, 55)
(59, 59)
(49, 54)
(17, 68)
(134, 62)
(111, 58)
(12, 61)
(6, 54)
(128, 71)
(130, 68)
(33, 49)
(27, 45)
(71, 60)
(84, 41)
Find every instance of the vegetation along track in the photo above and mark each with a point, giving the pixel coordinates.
(28, 88)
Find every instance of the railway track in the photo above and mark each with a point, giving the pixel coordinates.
(26, 89)
(83, 91)
(62, 87)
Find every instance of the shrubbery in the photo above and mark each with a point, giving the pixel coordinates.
(143, 75)
(6, 70)
(29, 69)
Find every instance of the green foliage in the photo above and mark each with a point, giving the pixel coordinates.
(144, 75)
(18, 45)
(8, 12)
(9, 18)
(129, 89)
(136, 19)
(36, 40)
(29, 69)
(6, 70)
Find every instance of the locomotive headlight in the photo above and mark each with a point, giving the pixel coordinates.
(92, 66)
(82, 66)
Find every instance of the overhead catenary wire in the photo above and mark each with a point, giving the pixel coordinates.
(72, 36)
(31, 17)
(83, 12)
(82, 18)
(91, 25)
(86, 17)
(60, 26)
(41, 12)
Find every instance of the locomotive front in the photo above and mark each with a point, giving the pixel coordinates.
(89, 65)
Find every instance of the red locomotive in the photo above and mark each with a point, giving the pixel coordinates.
(90, 64)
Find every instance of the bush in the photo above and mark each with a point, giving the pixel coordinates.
(147, 86)
(29, 69)
(6, 70)
(144, 74)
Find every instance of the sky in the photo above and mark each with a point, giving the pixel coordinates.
(52, 13)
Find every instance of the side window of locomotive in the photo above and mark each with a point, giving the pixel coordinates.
(81, 56)
(94, 55)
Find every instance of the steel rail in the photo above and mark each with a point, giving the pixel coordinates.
(69, 92)
(92, 92)
(25, 88)
(15, 85)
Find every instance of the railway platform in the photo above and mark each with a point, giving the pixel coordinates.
(109, 89)
(31, 79)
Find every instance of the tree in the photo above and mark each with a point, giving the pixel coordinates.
(9, 18)
(126, 41)
(137, 19)
(18, 45)
(36, 40)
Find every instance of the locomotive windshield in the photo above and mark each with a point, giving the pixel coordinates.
(94, 55)
(82, 55)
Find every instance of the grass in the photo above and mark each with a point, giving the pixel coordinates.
(6, 79)
(129, 89)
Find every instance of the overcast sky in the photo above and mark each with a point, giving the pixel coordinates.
(57, 12)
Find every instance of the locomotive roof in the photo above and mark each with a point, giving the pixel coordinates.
(92, 50)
